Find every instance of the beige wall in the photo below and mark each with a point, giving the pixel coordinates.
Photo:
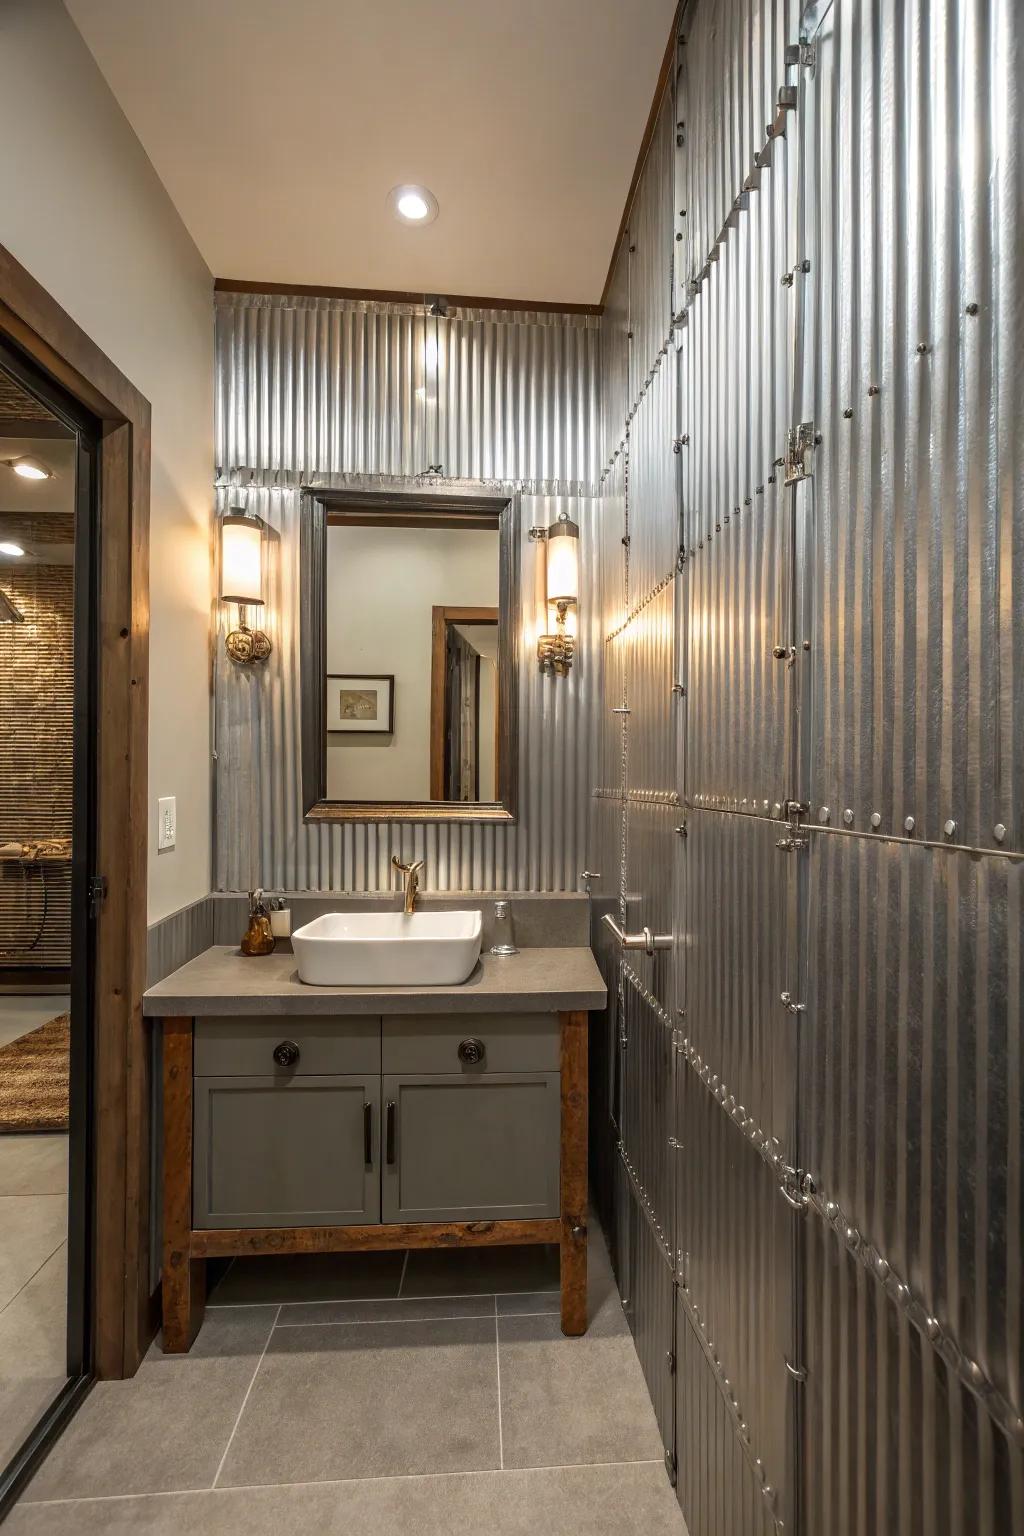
(82, 208)
(381, 586)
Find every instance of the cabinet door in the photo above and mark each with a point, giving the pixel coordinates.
(470, 1148)
(286, 1152)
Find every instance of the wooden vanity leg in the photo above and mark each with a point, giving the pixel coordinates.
(574, 1173)
(184, 1278)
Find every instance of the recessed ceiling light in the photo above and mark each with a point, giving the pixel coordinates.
(9, 548)
(411, 204)
(29, 468)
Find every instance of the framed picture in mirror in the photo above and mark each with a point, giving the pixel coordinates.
(361, 704)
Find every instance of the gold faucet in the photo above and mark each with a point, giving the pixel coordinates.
(411, 874)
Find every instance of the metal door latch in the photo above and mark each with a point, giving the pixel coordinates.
(793, 810)
(800, 444)
(645, 940)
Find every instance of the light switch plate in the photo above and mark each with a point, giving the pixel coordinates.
(166, 822)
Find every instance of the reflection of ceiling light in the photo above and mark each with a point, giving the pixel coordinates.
(29, 468)
(8, 548)
(413, 205)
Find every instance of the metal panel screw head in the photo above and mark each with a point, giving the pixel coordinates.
(922, 347)
(848, 817)
(847, 413)
(873, 389)
(971, 309)
(876, 820)
(908, 825)
(949, 828)
(998, 831)
(824, 813)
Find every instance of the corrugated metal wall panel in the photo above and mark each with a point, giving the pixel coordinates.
(898, 1443)
(652, 492)
(647, 1107)
(653, 851)
(737, 886)
(649, 641)
(615, 345)
(650, 238)
(650, 1312)
(720, 1489)
(919, 480)
(912, 1109)
(735, 1235)
(335, 386)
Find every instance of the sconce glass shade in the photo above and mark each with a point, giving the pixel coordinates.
(563, 551)
(241, 559)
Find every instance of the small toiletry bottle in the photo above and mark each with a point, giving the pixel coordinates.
(258, 938)
(280, 918)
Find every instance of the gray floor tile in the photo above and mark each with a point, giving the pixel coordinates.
(21, 1403)
(572, 1400)
(33, 1327)
(310, 1277)
(415, 1309)
(34, 1165)
(167, 1427)
(32, 1227)
(578, 1501)
(376, 1400)
(480, 1271)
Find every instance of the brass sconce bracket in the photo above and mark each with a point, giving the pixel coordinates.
(555, 652)
(247, 646)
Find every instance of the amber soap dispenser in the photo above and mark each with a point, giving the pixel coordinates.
(258, 938)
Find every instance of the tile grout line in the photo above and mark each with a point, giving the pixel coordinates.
(245, 1399)
(324, 1301)
(342, 1482)
(497, 1359)
(401, 1278)
(385, 1322)
(62, 1244)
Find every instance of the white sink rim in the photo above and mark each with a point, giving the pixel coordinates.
(389, 949)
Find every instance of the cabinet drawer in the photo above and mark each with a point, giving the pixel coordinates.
(511, 1042)
(244, 1047)
(286, 1152)
(470, 1148)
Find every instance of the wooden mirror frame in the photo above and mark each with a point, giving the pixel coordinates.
(421, 508)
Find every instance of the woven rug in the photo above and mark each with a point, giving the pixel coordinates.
(34, 1079)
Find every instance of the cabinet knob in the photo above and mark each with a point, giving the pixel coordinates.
(471, 1051)
(286, 1054)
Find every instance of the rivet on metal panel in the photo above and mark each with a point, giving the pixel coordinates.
(908, 824)
(970, 309)
(998, 831)
(872, 389)
(922, 347)
(681, 829)
(876, 819)
(848, 817)
(824, 813)
(847, 413)
(776, 809)
(949, 827)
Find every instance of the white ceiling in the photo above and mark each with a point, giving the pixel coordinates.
(279, 126)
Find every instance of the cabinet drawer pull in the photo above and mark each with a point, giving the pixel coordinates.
(471, 1051)
(287, 1053)
(368, 1134)
(389, 1135)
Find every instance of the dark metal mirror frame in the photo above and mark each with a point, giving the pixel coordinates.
(317, 505)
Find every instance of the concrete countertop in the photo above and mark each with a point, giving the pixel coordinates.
(224, 981)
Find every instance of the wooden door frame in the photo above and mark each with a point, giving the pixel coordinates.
(123, 1317)
(440, 618)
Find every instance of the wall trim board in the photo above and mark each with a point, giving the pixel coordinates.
(36, 323)
(398, 296)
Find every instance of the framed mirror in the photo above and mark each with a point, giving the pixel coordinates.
(409, 656)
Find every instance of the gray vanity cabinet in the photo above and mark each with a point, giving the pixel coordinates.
(286, 1152)
(464, 1148)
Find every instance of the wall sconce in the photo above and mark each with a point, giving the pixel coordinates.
(556, 649)
(241, 582)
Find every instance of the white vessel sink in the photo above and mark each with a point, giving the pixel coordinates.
(388, 949)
